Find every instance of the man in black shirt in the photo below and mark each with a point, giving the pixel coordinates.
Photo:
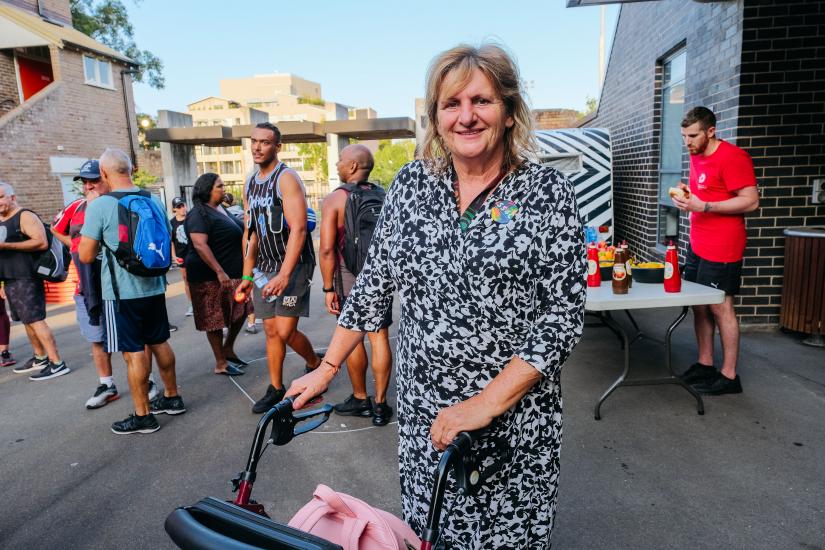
(22, 236)
(180, 244)
(281, 257)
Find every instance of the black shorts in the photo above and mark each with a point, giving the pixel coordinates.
(133, 324)
(719, 275)
(27, 300)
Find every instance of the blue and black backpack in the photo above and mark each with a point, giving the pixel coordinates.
(144, 244)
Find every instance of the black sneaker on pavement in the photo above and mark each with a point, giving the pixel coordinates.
(6, 359)
(103, 394)
(352, 406)
(273, 397)
(381, 414)
(52, 370)
(320, 354)
(135, 424)
(699, 373)
(173, 328)
(32, 365)
(167, 405)
(720, 386)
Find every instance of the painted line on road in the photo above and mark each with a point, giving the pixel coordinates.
(316, 432)
(232, 379)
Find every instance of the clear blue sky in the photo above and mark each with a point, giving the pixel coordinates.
(364, 53)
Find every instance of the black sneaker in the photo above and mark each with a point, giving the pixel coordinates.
(173, 328)
(352, 406)
(273, 397)
(167, 405)
(135, 424)
(381, 414)
(32, 365)
(52, 370)
(699, 373)
(6, 359)
(720, 386)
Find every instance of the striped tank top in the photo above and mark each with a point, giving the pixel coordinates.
(266, 218)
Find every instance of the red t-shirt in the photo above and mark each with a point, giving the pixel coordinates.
(69, 222)
(714, 178)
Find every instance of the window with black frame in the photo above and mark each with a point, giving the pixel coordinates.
(670, 160)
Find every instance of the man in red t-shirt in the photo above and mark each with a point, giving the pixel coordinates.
(722, 189)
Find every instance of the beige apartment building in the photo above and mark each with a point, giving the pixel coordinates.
(276, 98)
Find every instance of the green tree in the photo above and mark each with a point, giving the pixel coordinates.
(590, 106)
(389, 158)
(143, 179)
(315, 159)
(107, 21)
(146, 122)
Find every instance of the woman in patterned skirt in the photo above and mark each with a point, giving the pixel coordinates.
(214, 266)
(485, 249)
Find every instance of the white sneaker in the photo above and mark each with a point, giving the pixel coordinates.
(189, 312)
(153, 390)
(251, 329)
(103, 394)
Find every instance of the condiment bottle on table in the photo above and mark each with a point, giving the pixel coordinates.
(673, 279)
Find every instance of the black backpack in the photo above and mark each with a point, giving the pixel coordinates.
(364, 202)
(52, 264)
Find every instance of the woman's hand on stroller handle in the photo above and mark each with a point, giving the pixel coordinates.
(309, 386)
(467, 416)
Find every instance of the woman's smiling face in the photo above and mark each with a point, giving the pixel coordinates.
(472, 118)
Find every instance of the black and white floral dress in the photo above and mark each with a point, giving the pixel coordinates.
(512, 284)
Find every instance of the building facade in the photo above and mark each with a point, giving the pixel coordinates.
(276, 98)
(64, 98)
(760, 66)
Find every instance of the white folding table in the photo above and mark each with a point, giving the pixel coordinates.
(601, 301)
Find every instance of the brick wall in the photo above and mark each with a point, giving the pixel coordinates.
(550, 119)
(59, 10)
(8, 82)
(68, 119)
(782, 125)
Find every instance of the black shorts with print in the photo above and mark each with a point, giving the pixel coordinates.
(27, 300)
(720, 275)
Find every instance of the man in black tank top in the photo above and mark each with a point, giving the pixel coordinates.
(22, 237)
(279, 248)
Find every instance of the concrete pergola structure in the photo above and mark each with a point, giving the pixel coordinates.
(178, 138)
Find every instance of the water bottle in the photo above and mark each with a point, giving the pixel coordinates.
(260, 280)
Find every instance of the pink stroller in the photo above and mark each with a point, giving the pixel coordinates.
(242, 524)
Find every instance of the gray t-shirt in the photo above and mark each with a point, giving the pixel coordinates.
(101, 224)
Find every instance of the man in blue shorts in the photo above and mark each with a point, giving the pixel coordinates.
(135, 313)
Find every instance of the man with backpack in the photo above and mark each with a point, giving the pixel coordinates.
(131, 228)
(280, 258)
(349, 215)
(23, 238)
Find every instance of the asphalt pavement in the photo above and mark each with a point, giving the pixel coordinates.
(652, 474)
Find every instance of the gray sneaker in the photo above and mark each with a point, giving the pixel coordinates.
(103, 394)
(31, 365)
(153, 390)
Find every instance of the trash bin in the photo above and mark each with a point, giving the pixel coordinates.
(803, 288)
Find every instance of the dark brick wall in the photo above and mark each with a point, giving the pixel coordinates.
(760, 66)
(782, 126)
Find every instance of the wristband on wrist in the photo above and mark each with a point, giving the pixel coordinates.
(707, 207)
(335, 368)
(247, 278)
(330, 289)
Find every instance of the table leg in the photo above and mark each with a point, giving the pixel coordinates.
(616, 328)
(671, 379)
(700, 405)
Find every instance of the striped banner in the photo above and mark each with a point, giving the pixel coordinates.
(584, 156)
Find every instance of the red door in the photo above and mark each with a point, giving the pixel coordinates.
(34, 75)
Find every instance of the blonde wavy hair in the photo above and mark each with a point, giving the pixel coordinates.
(500, 68)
